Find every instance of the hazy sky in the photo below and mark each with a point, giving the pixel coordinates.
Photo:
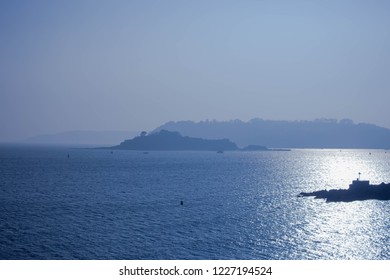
(114, 65)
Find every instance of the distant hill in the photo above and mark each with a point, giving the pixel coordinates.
(321, 133)
(94, 138)
(168, 141)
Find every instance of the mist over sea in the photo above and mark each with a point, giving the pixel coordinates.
(98, 204)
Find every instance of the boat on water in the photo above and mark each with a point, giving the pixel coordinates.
(358, 190)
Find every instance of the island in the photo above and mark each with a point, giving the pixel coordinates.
(358, 190)
(165, 140)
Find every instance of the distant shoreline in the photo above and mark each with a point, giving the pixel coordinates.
(107, 147)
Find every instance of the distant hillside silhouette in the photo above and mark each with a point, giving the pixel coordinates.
(321, 133)
(82, 137)
(172, 141)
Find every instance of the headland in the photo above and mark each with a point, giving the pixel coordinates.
(173, 141)
(359, 190)
(165, 140)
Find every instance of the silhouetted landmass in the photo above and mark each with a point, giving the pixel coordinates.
(358, 190)
(172, 141)
(322, 133)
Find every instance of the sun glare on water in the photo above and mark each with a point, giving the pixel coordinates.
(342, 166)
(343, 229)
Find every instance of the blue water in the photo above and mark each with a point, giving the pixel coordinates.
(236, 205)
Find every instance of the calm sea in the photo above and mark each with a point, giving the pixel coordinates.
(96, 204)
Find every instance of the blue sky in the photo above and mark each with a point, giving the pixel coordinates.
(116, 65)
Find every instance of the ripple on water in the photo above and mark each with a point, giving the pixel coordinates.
(126, 205)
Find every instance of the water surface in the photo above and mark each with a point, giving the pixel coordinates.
(236, 205)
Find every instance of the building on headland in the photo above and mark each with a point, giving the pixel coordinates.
(359, 184)
(358, 190)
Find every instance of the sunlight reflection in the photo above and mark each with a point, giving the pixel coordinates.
(344, 230)
(339, 168)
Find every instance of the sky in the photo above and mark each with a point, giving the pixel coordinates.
(134, 65)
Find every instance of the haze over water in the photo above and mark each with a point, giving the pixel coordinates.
(134, 65)
(236, 205)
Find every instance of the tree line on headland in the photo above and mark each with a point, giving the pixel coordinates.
(320, 133)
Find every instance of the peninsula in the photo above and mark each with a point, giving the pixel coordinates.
(358, 190)
(173, 141)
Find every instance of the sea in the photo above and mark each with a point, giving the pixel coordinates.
(64, 203)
